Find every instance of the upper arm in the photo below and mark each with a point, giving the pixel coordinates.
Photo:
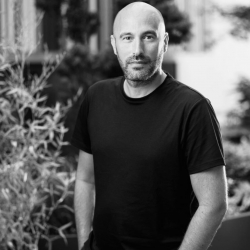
(85, 167)
(210, 187)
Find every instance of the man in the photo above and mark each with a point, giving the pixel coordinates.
(150, 147)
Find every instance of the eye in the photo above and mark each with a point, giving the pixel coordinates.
(127, 38)
(148, 37)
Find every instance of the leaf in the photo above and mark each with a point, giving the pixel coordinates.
(60, 230)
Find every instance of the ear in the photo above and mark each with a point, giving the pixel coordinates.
(166, 39)
(112, 39)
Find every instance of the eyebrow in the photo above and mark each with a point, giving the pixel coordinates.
(144, 33)
(125, 34)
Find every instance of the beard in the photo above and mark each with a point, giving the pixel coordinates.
(142, 73)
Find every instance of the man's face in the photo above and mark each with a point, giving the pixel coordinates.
(139, 43)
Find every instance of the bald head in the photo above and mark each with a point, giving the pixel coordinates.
(139, 40)
(137, 11)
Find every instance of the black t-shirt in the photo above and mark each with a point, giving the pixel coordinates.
(144, 150)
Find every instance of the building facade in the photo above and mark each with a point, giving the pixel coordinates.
(17, 15)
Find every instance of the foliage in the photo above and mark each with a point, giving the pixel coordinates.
(238, 173)
(240, 18)
(177, 23)
(238, 159)
(244, 89)
(237, 155)
(239, 118)
(35, 180)
(239, 199)
(80, 23)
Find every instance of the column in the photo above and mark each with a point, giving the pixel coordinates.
(29, 25)
(93, 40)
(106, 23)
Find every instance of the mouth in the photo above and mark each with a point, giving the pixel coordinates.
(137, 66)
(138, 62)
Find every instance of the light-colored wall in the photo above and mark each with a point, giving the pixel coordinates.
(215, 73)
(9, 31)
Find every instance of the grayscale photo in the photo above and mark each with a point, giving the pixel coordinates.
(124, 125)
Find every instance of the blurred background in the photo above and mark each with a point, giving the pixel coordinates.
(56, 49)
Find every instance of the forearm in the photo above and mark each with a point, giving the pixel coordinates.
(84, 207)
(202, 228)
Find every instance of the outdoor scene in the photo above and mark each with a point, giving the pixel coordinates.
(52, 51)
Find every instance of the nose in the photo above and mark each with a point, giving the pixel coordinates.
(138, 47)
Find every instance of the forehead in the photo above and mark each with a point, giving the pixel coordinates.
(137, 22)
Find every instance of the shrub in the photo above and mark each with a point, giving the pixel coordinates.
(238, 160)
(238, 173)
(35, 179)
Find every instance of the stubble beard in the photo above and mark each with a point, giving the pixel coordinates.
(138, 76)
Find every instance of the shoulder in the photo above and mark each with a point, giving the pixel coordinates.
(192, 103)
(185, 94)
(104, 86)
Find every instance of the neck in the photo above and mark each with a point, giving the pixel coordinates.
(137, 89)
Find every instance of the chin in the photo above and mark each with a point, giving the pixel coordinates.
(139, 75)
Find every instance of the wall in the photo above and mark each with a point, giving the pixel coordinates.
(216, 72)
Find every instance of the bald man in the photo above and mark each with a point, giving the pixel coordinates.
(151, 172)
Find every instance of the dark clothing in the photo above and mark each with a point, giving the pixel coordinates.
(144, 150)
(91, 244)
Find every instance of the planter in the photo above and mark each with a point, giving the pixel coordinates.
(233, 234)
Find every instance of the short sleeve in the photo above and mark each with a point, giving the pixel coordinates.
(80, 137)
(202, 140)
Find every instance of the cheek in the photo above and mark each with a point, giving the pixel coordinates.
(154, 52)
(123, 52)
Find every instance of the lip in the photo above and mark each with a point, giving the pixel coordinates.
(138, 62)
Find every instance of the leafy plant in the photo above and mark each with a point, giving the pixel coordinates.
(239, 199)
(238, 173)
(239, 16)
(238, 160)
(36, 181)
